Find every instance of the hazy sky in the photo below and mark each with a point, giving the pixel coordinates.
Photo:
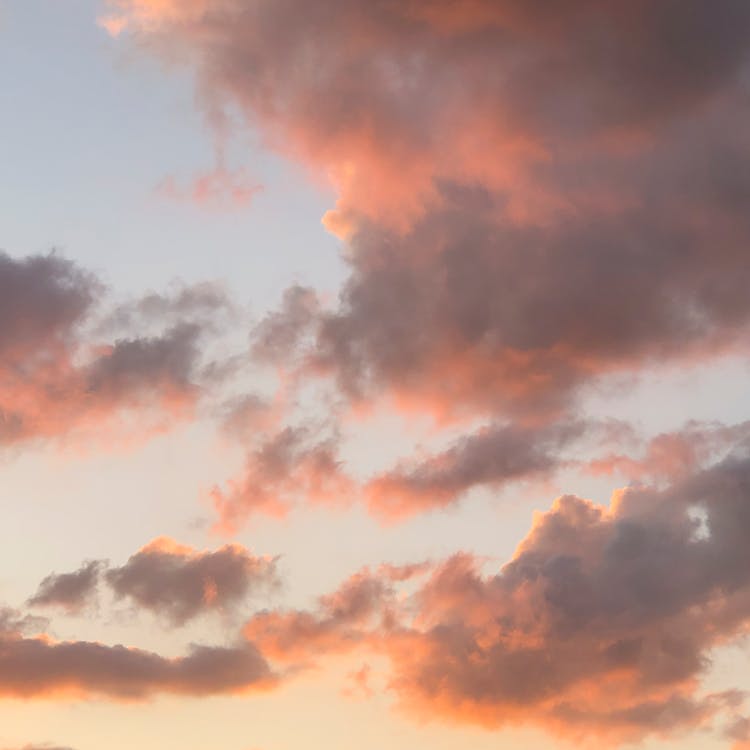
(374, 373)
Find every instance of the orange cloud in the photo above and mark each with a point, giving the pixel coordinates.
(291, 466)
(171, 580)
(39, 667)
(492, 457)
(602, 624)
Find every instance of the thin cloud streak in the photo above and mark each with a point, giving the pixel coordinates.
(39, 667)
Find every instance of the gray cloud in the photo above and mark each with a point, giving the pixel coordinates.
(494, 457)
(670, 455)
(42, 299)
(71, 591)
(179, 583)
(13, 621)
(61, 379)
(282, 331)
(37, 667)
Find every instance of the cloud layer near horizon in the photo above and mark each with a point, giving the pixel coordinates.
(39, 667)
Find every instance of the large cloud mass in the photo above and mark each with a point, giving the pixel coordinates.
(533, 198)
(602, 624)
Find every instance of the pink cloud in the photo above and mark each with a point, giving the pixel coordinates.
(34, 667)
(215, 189)
(601, 625)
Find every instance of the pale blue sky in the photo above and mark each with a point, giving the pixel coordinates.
(88, 132)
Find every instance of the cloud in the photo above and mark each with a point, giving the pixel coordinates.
(469, 313)
(43, 299)
(739, 732)
(601, 625)
(180, 583)
(365, 602)
(197, 303)
(40, 667)
(246, 417)
(71, 591)
(291, 465)
(512, 236)
(532, 202)
(671, 455)
(11, 620)
(282, 331)
(219, 187)
(63, 377)
(389, 97)
(493, 457)
(171, 580)
(359, 683)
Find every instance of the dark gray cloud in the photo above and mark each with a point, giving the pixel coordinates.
(71, 591)
(131, 366)
(494, 457)
(291, 465)
(38, 666)
(421, 71)
(42, 300)
(179, 583)
(633, 598)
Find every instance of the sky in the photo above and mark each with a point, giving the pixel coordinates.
(374, 373)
